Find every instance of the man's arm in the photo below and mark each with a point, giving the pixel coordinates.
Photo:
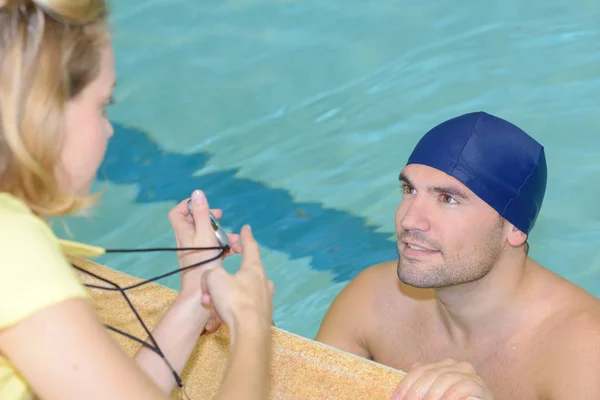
(349, 319)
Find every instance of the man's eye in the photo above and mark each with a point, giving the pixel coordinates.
(407, 189)
(449, 199)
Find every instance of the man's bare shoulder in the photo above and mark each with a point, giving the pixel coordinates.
(373, 297)
(364, 290)
(571, 358)
(381, 299)
(570, 344)
(349, 319)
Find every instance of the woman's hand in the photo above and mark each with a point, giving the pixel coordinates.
(245, 302)
(234, 239)
(245, 297)
(195, 230)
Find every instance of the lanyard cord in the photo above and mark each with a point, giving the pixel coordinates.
(115, 287)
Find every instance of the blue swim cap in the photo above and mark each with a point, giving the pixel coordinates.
(495, 159)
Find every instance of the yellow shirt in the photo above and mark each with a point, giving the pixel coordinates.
(34, 274)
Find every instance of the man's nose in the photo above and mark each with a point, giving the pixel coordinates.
(417, 216)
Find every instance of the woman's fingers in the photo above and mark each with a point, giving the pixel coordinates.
(178, 217)
(271, 288)
(214, 321)
(234, 240)
(251, 249)
(205, 233)
(217, 213)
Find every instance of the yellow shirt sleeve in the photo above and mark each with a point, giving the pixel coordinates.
(34, 272)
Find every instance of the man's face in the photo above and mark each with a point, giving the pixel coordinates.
(446, 234)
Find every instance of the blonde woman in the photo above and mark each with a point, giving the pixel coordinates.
(56, 79)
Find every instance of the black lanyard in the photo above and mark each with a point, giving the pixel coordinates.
(115, 287)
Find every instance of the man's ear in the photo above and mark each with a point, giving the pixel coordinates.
(516, 237)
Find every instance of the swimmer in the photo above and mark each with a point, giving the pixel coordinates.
(464, 310)
(56, 81)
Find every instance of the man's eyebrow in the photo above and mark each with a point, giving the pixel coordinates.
(404, 178)
(449, 190)
(441, 189)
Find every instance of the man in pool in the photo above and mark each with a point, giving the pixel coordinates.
(464, 310)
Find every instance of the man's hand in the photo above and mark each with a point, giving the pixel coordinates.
(447, 380)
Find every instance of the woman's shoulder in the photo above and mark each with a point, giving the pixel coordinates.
(12, 205)
(34, 271)
(21, 229)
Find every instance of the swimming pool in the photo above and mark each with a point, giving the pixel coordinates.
(296, 117)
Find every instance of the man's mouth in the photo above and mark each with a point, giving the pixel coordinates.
(416, 250)
(417, 247)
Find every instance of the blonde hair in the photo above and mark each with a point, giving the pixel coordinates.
(49, 51)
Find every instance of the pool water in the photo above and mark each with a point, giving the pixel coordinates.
(297, 117)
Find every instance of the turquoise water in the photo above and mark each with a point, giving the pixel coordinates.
(298, 116)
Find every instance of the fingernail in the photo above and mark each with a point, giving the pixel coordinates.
(198, 197)
(249, 228)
